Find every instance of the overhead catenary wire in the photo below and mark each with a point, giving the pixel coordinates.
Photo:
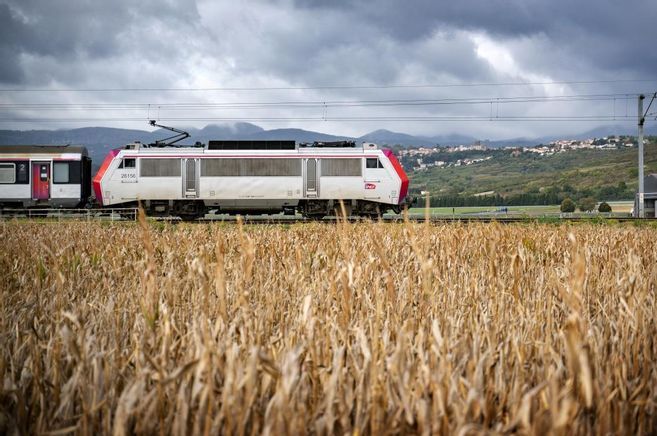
(328, 87)
(24, 111)
(316, 119)
(322, 104)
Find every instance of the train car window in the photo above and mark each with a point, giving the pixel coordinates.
(373, 162)
(75, 172)
(7, 173)
(60, 172)
(22, 173)
(85, 182)
(159, 167)
(232, 167)
(67, 172)
(342, 167)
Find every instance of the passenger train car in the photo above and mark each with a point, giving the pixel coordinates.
(44, 176)
(253, 177)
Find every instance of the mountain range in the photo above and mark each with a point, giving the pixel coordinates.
(99, 140)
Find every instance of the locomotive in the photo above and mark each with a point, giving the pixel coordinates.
(233, 177)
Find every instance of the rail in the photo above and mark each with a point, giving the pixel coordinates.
(130, 214)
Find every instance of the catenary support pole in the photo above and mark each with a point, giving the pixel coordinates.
(641, 187)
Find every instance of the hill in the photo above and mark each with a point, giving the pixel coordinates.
(528, 178)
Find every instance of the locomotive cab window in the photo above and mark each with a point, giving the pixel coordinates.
(128, 162)
(7, 173)
(373, 162)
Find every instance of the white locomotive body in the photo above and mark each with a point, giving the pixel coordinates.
(190, 181)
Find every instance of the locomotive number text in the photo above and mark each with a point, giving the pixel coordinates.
(129, 178)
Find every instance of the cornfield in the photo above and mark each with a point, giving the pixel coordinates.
(368, 328)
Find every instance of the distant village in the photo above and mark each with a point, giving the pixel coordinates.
(421, 158)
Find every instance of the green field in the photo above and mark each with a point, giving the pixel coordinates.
(619, 208)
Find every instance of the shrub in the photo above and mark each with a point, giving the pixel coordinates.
(567, 205)
(604, 207)
(587, 204)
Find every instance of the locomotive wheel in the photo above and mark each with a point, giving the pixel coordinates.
(132, 216)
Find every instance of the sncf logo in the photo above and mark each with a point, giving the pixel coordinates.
(370, 186)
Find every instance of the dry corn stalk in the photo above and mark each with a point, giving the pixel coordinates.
(353, 328)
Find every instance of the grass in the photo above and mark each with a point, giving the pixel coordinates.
(618, 207)
(315, 328)
(486, 209)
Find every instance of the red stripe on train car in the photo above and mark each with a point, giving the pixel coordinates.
(101, 172)
(400, 172)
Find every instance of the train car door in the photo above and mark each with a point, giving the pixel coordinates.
(190, 180)
(311, 188)
(40, 180)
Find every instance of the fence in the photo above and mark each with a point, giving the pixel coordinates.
(118, 214)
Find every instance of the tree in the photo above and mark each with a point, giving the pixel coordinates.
(567, 205)
(587, 204)
(604, 207)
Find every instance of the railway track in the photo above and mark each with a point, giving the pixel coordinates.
(432, 220)
(127, 215)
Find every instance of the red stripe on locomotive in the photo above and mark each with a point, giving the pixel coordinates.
(101, 172)
(400, 172)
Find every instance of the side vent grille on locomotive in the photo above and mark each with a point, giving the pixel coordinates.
(251, 145)
(232, 167)
(342, 167)
(159, 167)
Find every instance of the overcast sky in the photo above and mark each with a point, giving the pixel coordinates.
(73, 47)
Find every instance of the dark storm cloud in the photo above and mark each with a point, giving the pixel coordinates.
(333, 40)
(79, 31)
(414, 19)
(328, 47)
(12, 33)
(613, 35)
(305, 43)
